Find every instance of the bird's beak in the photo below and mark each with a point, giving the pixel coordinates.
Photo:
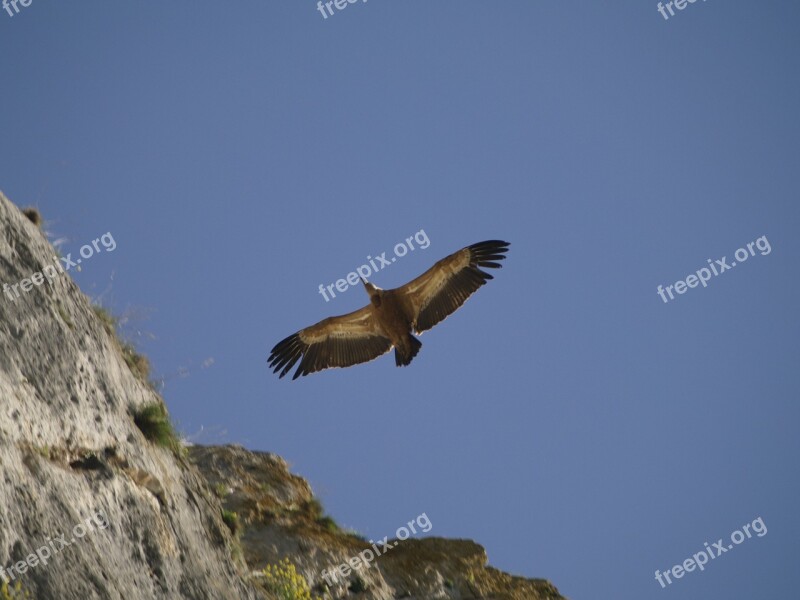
(363, 280)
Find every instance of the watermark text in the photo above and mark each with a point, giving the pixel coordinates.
(718, 267)
(42, 554)
(400, 250)
(365, 557)
(700, 559)
(62, 265)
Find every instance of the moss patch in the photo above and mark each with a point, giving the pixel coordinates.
(154, 422)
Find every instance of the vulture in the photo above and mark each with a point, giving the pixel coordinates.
(391, 317)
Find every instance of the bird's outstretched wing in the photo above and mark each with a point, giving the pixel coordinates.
(333, 342)
(439, 291)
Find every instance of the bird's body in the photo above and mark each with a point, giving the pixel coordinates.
(391, 317)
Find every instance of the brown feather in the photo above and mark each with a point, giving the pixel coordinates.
(333, 342)
(442, 289)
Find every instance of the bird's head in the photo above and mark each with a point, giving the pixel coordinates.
(373, 290)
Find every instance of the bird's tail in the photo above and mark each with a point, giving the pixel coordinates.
(403, 356)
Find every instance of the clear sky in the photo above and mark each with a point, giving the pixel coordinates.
(567, 418)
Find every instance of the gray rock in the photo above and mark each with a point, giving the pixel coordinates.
(69, 449)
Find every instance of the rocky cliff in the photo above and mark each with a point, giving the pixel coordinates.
(100, 500)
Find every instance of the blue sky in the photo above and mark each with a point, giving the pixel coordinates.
(566, 418)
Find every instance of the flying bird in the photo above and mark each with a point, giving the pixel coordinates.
(391, 317)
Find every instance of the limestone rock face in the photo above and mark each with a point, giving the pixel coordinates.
(90, 508)
(69, 449)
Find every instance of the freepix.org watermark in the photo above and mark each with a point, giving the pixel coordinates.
(718, 267)
(364, 271)
(9, 4)
(62, 265)
(700, 559)
(42, 554)
(679, 4)
(365, 557)
(326, 8)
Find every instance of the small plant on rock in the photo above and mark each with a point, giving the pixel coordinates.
(283, 580)
(153, 421)
(231, 519)
(12, 593)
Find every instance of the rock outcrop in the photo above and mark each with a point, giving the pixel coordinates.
(278, 516)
